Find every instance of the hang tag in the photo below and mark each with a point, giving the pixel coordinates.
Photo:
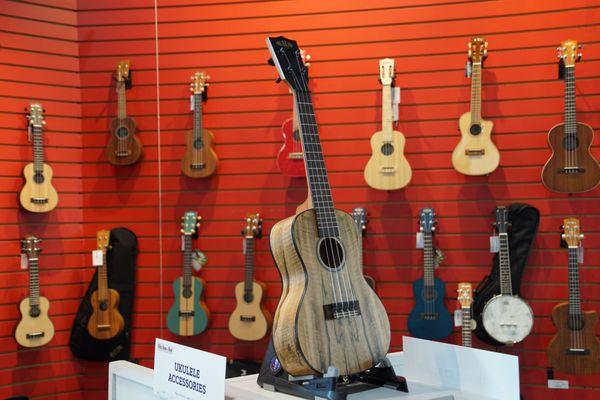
(558, 384)
(198, 260)
(97, 258)
(468, 69)
(182, 242)
(458, 317)
(192, 102)
(494, 244)
(420, 243)
(29, 132)
(395, 103)
(24, 261)
(580, 254)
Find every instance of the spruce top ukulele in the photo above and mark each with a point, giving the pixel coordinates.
(327, 314)
(465, 299)
(250, 319)
(429, 319)
(35, 328)
(360, 219)
(123, 148)
(571, 168)
(387, 169)
(200, 160)
(38, 195)
(475, 154)
(189, 315)
(575, 349)
(506, 317)
(106, 321)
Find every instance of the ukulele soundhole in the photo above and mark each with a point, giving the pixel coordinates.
(475, 129)
(38, 177)
(570, 143)
(34, 311)
(187, 292)
(387, 149)
(428, 294)
(122, 132)
(331, 253)
(103, 305)
(198, 144)
(296, 135)
(575, 322)
(248, 297)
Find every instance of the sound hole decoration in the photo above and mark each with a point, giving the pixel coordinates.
(475, 129)
(387, 149)
(38, 177)
(122, 132)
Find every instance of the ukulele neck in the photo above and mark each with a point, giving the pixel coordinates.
(570, 109)
(187, 261)
(197, 120)
(38, 149)
(121, 100)
(248, 264)
(387, 122)
(466, 327)
(476, 93)
(34, 283)
(103, 278)
(428, 260)
(504, 258)
(574, 295)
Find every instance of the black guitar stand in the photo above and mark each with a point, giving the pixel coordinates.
(330, 386)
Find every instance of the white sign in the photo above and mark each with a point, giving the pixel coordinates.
(181, 372)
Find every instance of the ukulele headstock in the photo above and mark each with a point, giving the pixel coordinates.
(386, 71)
(570, 52)
(36, 115)
(427, 220)
(478, 50)
(122, 72)
(190, 222)
(287, 58)
(30, 246)
(501, 224)
(199, 84)
(571, 235)
(360, 219)
(253, 228)
(465, 294)
(102, 239)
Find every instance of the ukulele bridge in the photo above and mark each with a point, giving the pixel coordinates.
(474, 152)
(197, 165)
(342, 309)
(387, 170)
(123, 153)
(103, 327)
(571, 170)
(39, 200)
(577, 352)
(35, 335)
(429, 316)
(295, 156)
(186, 313)
(247, 318)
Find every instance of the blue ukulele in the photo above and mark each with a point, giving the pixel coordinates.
(429, 319)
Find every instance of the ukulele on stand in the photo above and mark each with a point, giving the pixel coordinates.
(475, 154)
(360, 219)
(465, 299)
(35, 328)
(250, 320)
(575, 349)
(124, 148)
(38, 195)
(387, 169)
(200, 160)
(106, 321)
(571, 168)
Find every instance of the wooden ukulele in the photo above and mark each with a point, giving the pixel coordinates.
(38, 195)
(575, 349)
(200, 160)
(124, 148)
(360, 219)
(188, 316)
(476, 154)
(250, 320)
(465, 299)
(506, 317)
(429, 319)
(35, 328)
(327, 315)
(571, 168)
(106, 321)
(387, 169)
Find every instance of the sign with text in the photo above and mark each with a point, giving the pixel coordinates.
(181, 372)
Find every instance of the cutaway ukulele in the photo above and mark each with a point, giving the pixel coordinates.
(465, 299)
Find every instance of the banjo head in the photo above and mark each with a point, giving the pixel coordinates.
(507, 319)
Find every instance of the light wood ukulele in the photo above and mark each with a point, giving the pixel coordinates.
(250, 320)
(106, 321)
(465, 299)
(476, 154)
(388, 168)
(200, 160)
(38, 195)
(35, 328)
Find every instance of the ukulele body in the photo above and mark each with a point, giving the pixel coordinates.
(34, 331)
(250, 320)
(38, 197)
(306, 337)
(290, 162)
(124, 148)
(475, 154)
(430, 319)
(200, 160)
(553, 175)
(188, 316)
(106, 321)
(388, 168)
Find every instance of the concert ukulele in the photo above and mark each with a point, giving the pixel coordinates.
(106, 321)
(575, 349)
(476, 154)
(360, 219)
(250, 320)
(35, 328)
(188, 316)
(200, 160)
(571, 168)
(38, 195)
(465, 299)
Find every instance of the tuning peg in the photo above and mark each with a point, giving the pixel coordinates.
(198, 225)
(307, 57)
(277, 80)
(469, 45)
(271, 62)
(207, 76)
(579, 56)
(581, 236)
(580, 46)
(181, 230)
(307, 64)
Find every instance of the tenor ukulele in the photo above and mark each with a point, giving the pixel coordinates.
(387, 169)
(124, 148)
(575, 349)
(38, 195)
(360, 219)
(188, 316)
(106, 321)
(476, 154)
(250, 320)
(571, 168)
(200, 160)
(429, 319)
(35, 328)
(465, 299)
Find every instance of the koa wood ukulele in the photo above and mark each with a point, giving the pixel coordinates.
(35, 328)
(124, 148)
(571, 168)
(465, 299)
(575, 349)
(429, 319)
(250, 320)
(327, 315)
(106, 321)
(188, 316)
(387, 169)
(38, 195)
(200, 160)
(360, 219)
(475, 154)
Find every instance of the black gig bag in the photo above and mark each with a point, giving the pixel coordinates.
(524, 221)
(120, 259)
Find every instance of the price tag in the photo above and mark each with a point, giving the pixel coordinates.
(494, 244)
(420, 243)
(580, 254)
(458, 317)
(97, 258)
(557, 384)
(24, 261)
(192, 103)
(395, 103)
(468, 69)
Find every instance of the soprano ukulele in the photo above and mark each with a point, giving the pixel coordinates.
(35, 328)
(189, 315)
(575, 349)
(200, 160)
(387, 169)
(465, 299)
(250, 320)
(571, 168)
(360, 219)
(475, 154)
(38, 195)
(124, 148)
(106, 321)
